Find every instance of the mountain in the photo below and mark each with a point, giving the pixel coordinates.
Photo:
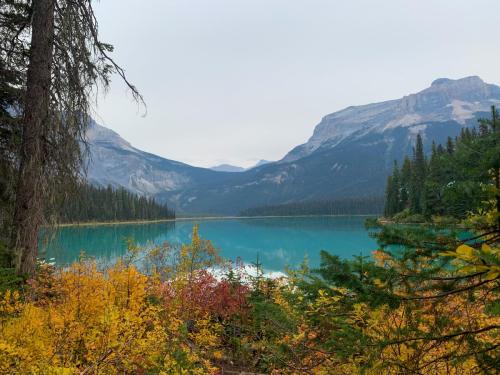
(234, 168)
(349, 154)
(227, 168)
(114, 161)
(444, 101)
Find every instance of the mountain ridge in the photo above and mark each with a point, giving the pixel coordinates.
(349, 154)
(407, 111)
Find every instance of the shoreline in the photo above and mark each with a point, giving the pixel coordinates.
(193, 218)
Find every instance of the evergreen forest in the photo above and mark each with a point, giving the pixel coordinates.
(348, 206)
(100, 204)
(455, 181)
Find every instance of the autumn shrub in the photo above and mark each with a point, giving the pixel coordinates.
(84, 320)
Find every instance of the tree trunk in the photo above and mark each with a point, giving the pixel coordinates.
(28, 213)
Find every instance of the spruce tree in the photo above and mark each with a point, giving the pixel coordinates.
(389, 197)
(418, 177)
(434, 184)
(396, 186)
(405, 183)
(490, 148)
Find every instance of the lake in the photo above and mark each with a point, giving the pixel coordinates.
(277, 241)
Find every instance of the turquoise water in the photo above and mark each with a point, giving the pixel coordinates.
(278, 242)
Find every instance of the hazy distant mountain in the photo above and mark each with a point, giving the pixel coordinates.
(234, 168)
(349, 154)
(227, 168)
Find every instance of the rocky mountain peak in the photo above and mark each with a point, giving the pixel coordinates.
(466, 81)
(446, 99)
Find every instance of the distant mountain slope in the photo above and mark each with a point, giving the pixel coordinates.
(227, 168)
(349, 154)
(234, 168)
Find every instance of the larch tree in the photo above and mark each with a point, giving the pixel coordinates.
(53, 48)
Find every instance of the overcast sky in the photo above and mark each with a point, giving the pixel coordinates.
(234, 81)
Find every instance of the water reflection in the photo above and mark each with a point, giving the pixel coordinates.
(279, 242)
(105, 242)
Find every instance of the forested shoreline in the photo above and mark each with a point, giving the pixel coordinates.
(105, 204)
(351, 206)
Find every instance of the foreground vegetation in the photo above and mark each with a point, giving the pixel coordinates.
(429, 308)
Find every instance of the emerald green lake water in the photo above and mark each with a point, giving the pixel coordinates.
(278, 242)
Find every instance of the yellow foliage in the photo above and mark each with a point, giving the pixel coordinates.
(101, 322)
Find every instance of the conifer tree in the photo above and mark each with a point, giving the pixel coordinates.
(405, 183)
(458, 180)
(393, 199)
(491, 154)
(418, 177)
(433, 184)
(389, 197)
(52, 50)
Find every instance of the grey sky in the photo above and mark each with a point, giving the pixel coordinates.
(240, 80)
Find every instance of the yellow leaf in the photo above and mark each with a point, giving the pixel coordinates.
(448, 254)
(465, 250)
(492, 275)
(486, 248)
